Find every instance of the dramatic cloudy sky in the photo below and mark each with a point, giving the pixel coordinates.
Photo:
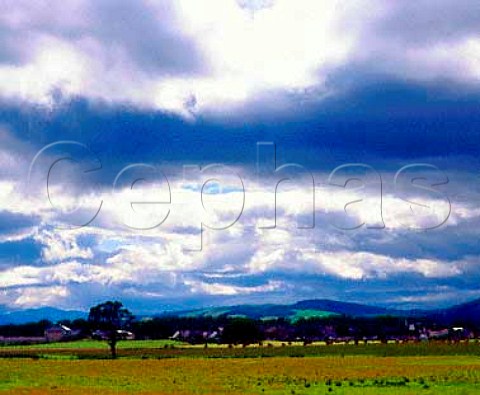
(143, 143)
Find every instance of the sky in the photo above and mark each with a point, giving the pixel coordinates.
(182, 154)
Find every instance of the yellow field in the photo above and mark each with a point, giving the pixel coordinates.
(278, 375)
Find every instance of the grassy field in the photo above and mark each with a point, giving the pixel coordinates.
(96, 344)
(161, 349)
(281, 375)
(150, 368)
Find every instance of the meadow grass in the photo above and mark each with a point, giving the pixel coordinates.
(96, 344)
(370, 375)
(93, 349)
(169, 367)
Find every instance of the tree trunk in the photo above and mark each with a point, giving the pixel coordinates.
(113, 348)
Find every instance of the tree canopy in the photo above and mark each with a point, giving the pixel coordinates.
(110, 317)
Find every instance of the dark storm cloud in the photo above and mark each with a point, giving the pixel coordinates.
(369, 124)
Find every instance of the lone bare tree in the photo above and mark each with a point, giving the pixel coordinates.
(110, 317)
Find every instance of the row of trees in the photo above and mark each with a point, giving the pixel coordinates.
(31, 329)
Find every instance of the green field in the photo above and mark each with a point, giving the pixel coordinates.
(155, 367)
(96, 344)
(306, 314)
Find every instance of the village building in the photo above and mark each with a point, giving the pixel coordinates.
(58, 333)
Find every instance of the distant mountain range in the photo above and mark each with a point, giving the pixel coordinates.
(43, 313)
(467, 312)
(305, 308)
